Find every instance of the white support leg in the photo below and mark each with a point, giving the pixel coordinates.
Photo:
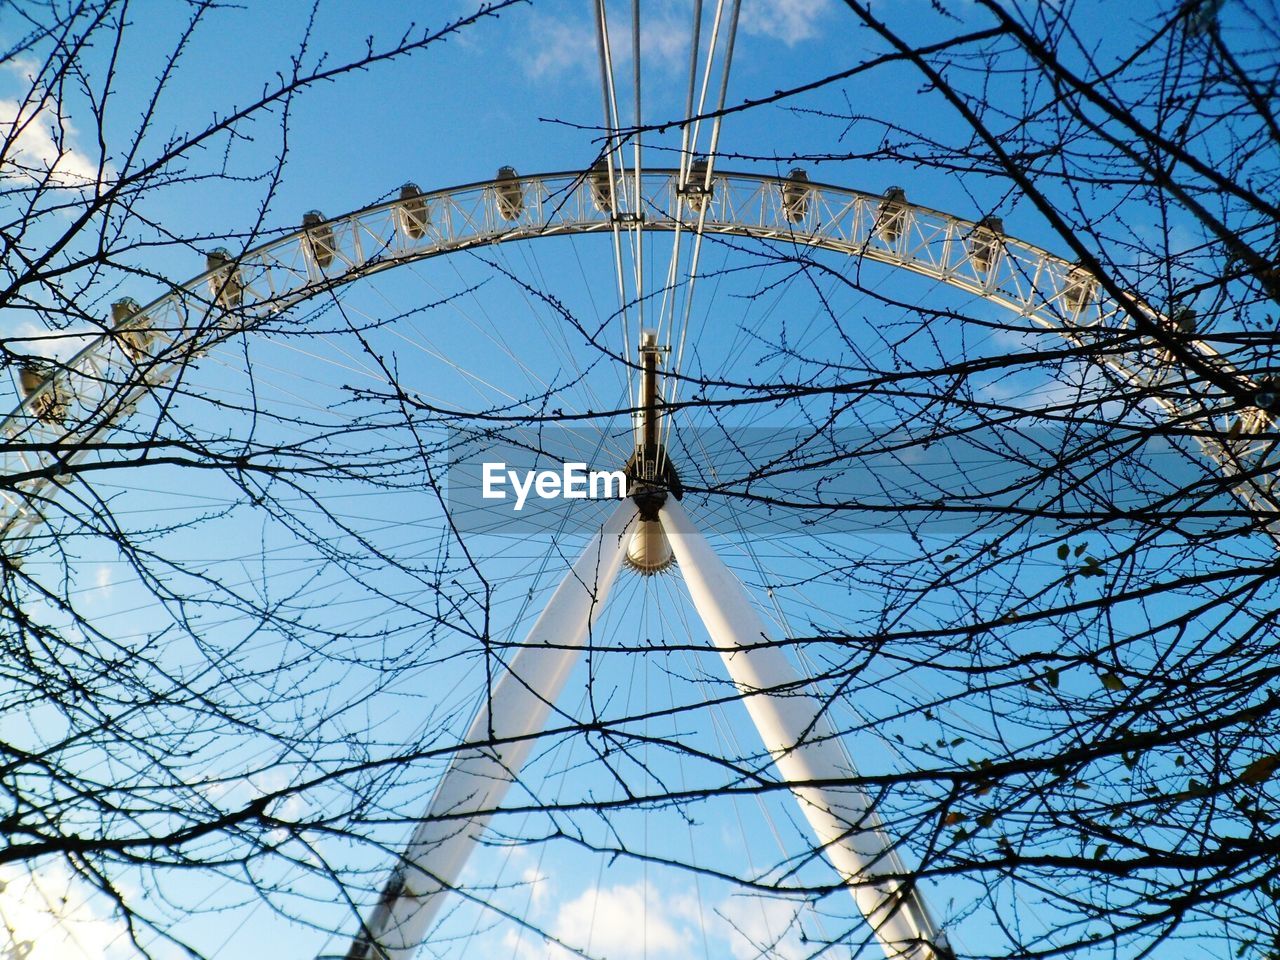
(477, 780)
(803, 743)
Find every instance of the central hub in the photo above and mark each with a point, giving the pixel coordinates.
(651, 475)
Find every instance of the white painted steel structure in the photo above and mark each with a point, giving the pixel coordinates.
(64, 416)
(509, 722)
(58, 422)
(791, 720)
(805, 747)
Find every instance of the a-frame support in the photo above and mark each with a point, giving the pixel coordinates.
(792, 722)
(794, 727)
(507, 724)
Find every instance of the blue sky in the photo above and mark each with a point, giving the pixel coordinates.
(520, 90)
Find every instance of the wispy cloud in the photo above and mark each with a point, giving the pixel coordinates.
(559, 46)
(38, 141)
(639, 921)
(757, 927)
(43, 145)
(29, 337)
(633, 921)
(790, 21)
(47, 914)
(567, 44)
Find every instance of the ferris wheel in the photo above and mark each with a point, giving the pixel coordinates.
(663, 254)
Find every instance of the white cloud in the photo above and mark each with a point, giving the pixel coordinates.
(559, 46)
(622, 922)
(538, 882)
(639, 921)
(626, 923)
(24, 66)
(790, 21)
(103, 580)
(47, 914)
(567, 45)
(31, 339)
(757, 928)
(42, 144)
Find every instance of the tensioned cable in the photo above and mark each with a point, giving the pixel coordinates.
(694, 47)
(724, 730)
(685, 157)
(396, 333)
(892, 858)
(615, 198)
(708, 176)
(704, 203)
(637, 221)
(688, 146)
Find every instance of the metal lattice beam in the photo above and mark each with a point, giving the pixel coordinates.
(78, 402)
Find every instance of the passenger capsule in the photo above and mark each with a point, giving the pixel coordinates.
(225, 286)
(697, 192)
(1267, 396)
(1182, 317)
(412, 215)
(601, 186)
(509, 193)
(795, 195)
(318, 241)
(133, 338)
(40, 389)
(1079, 289)
(32, 377)
(892, 216)
(1202, 18)
(984, 244)
(1257, 418)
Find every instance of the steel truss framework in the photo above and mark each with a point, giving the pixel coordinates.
(67, 410)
